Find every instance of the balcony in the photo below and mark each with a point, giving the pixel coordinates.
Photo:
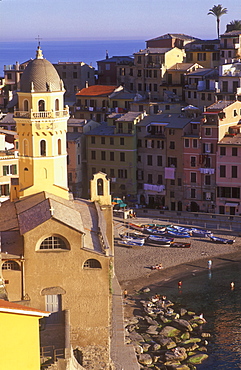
(41, 115)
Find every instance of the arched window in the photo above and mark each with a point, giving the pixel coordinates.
(53, 242)
(57, 105)
(43, 147)
(10, 265)
(25, 147)
(25, 105)
(100, 187)
(59, 147)
(92, 264)
(41, 105)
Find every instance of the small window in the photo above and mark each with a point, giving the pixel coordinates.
(10, 265)
(222, 150)
(234, 152)
(111, 141)
(25, 105)
(122, 157)
(92, 264)
(122, 141)
(194, 143)
(186, 143)
(102, 140)
(41, 105)
(43, 147)
(53, 242)
(92, 139)
(59, 147)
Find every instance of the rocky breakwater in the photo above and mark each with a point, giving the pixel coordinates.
(167, 337)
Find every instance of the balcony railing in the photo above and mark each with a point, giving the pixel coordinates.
(40, 115)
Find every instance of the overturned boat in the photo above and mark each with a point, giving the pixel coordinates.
(157, 240)
(216, 239)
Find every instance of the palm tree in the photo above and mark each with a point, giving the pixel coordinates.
(218, 11)
(234, 25)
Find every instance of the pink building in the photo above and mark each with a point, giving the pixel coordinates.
(228, 176)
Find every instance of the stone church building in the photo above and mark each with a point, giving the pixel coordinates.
(57, 252)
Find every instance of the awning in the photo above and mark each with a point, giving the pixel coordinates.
(231, 204)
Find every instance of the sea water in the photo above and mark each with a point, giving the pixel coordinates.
(210, 293)
(88, 52)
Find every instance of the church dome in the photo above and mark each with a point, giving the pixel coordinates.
(40, 76)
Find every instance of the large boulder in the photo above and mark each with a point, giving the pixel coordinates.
(145, 359)
(170, 331)
(197, 359)
(135, 337)
(182, 324)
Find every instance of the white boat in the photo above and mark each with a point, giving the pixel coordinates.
(131, 243)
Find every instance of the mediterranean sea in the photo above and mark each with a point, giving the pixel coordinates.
(88, 52)
(209, 293)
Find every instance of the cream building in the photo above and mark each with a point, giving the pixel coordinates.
(57, 253)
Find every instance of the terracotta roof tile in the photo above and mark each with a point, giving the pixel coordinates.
(96, 90)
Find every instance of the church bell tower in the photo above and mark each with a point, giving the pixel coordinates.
(41, 121)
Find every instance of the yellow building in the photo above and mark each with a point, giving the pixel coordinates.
(19, 339)
(57, 252)
(41, 125)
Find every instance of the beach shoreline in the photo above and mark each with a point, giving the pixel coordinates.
(132, 266)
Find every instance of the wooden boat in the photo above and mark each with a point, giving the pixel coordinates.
(182, 229)
(132, 235)
(177, 234)
(131, 243)
(216, 239)
(180, 245)
(200, 232)
(156, 231)
(138, 227)
(157, 240)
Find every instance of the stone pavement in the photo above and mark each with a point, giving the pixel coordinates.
(123, 355)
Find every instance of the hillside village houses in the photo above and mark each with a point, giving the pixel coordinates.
(156, 112)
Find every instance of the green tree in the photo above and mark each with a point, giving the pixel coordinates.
(233, 25)
(218, 11)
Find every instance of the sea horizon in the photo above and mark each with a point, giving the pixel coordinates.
(87, 51)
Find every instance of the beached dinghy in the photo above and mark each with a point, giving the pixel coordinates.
(182, 229)
(155, 231)
(177, 234)
(131, 243)
(200, 232)
(156, 240)
(180, 245)
(138, 227)
(216, 239)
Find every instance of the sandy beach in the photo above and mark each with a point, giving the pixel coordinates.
(132, 265)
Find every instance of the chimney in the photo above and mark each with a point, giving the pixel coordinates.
(106, 55)
(86, 84)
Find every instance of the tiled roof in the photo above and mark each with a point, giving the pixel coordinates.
(221, 104)
(153, 51)
(102, 130)
(181, 36)
(72, 136)
(49, 208)
(10, 307)
(181, 66)
(232, 33)
(231, 140)
(96, 90)
(116, 59)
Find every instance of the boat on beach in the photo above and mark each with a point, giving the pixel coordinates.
(131, 243)
(180, 245)
(216, 239)
(200, 232)
(156, 240)
(177, 234)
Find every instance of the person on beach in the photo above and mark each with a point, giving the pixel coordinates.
(232, 285)
(180, 284)
(125, 294)
(209, 264)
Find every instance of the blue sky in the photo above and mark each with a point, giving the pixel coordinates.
(110, 19)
